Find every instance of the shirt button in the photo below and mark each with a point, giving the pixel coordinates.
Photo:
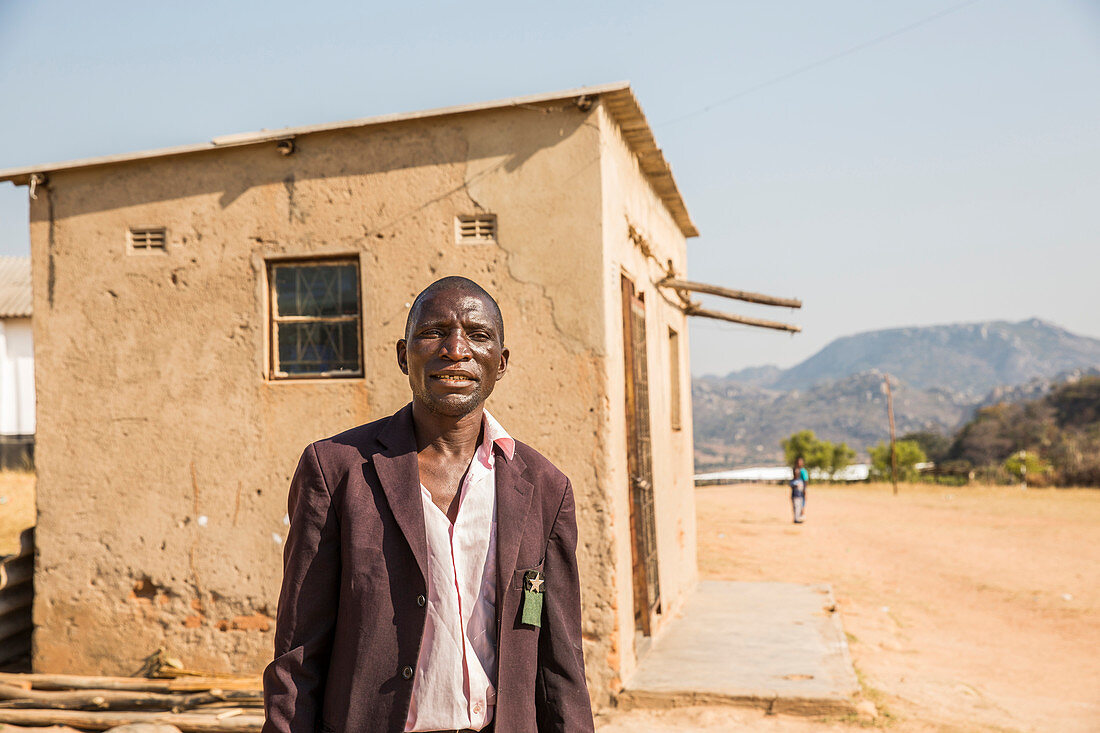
(477, 708)
(421, 600)
(407, 673)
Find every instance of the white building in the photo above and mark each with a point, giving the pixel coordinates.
(16, 364)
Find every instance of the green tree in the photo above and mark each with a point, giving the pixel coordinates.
(909, 455)
(1027, 466)
(840, 457)
(819, 454)
(935, 445)
(805, 444)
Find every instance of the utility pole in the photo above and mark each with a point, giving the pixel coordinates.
(893, 438)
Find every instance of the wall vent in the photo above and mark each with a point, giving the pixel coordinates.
(476, 228)
(148, 240)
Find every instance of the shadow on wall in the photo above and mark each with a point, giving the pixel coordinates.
(16, 597)
(355, 151)
(16, 452)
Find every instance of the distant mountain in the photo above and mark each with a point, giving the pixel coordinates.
(738, 424)
(967, 358)
(757, 376)
(940, 375)
(1034, 389)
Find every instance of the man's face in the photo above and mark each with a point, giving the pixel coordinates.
(453, 354)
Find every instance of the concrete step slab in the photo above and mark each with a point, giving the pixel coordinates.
(778, 646)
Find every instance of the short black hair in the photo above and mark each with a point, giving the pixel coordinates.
(462, 284)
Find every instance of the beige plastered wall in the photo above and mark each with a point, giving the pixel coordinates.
(629, 202)
(164, 452)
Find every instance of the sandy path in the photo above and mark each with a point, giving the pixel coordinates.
(966, 609)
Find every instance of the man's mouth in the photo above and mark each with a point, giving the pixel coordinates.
(454, 378)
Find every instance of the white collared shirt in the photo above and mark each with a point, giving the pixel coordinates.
(455, 682)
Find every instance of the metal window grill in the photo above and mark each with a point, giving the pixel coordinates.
(149, 240)
(476, 228)
(315, 319)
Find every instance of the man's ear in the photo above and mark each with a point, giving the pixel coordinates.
(403, 356)
(503, 362)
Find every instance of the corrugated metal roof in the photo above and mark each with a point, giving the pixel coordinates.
(621, 103)
(15, 287)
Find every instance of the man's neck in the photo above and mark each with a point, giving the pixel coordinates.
(451, 437)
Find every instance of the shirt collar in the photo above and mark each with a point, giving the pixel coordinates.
(493, 432)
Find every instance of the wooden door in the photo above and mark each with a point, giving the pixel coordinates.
(639, 461)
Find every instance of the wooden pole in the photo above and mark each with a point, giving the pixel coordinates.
(745, 320)
(12, 696)
(676, 284)
(187, 722)
(893, 439)
(135, 684)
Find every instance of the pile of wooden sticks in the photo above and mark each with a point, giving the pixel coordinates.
(101, 703)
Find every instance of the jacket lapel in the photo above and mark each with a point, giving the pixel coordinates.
(400, 477)
(514, 494)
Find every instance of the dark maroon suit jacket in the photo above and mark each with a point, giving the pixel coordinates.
(350, 622)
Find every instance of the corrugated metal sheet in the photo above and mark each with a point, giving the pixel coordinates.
(15, 287)
(777, 474)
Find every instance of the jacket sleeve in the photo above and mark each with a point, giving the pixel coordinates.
(294, 683)
(561, 693)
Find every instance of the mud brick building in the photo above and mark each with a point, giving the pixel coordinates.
(202, 313)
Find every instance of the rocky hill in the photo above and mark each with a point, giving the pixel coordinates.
(968, 358)
(940, 375)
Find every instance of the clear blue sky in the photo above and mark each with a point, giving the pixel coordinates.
(948, 172)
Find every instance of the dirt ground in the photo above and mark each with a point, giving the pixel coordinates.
(965, 608)
(970, 609)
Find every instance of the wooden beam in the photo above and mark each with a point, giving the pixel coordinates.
(748, 297)
(744, 320)
(12, 696)
(134, 684)
(186, 722)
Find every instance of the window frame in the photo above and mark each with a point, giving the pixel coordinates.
(274, 318)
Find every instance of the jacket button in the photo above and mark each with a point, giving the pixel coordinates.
(421, 600)
(407, 673)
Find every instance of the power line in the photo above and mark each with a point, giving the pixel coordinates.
(820, 62)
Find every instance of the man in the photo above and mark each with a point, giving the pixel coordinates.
(430, 578)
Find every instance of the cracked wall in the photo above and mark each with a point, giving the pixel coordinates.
(165, 454)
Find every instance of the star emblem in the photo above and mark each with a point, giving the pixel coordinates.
(534, 584)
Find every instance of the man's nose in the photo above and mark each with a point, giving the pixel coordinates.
(456, 347)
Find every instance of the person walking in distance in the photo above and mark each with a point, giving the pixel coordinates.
(800, 477)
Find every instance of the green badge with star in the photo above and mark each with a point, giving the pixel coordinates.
(533, 582)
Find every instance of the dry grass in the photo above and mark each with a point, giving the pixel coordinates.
(16, 508)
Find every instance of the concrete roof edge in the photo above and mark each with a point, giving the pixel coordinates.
(21, 175)
(624, 109)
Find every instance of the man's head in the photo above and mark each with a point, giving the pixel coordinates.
(462, 284)
(799, 462)
(453, 350)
